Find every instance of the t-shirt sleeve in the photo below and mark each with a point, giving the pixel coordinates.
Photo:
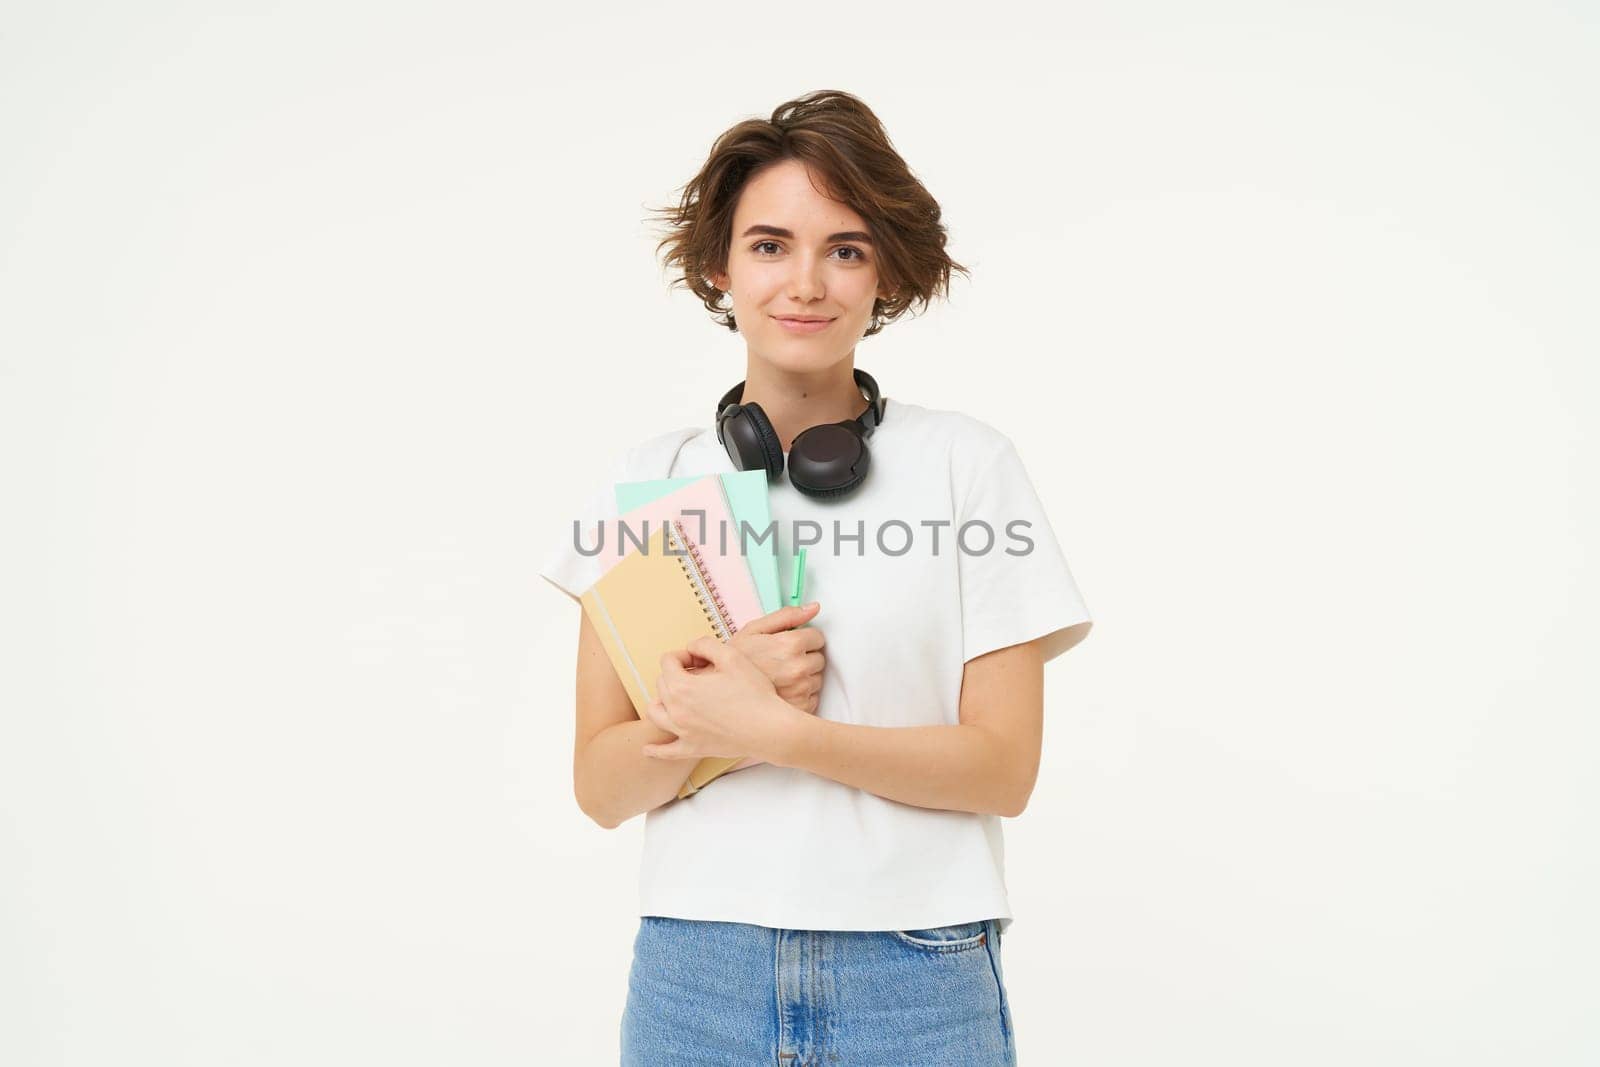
(565, 566)
(1021, 588)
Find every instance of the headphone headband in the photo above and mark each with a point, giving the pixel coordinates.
(864, 381)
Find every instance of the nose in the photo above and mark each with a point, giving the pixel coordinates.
(805, 279)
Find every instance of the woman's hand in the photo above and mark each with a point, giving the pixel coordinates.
(792, 658)
(724, 706)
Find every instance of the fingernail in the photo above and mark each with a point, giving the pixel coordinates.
(811, 605)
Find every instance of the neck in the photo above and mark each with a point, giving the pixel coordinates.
(795, 401)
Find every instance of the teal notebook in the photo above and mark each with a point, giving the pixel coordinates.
(747, 498)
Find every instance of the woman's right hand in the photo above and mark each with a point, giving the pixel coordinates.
(788, 652)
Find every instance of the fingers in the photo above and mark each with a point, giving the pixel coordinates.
(799, 670)
(676, 661)
(712, 651)
(656, 712)
(806, 639)
(801, 688)
(785, 618)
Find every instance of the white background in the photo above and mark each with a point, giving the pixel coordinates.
(308, 312)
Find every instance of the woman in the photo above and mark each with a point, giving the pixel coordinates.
(843, 901)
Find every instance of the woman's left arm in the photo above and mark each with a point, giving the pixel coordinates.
(717, 702)
(987, 763)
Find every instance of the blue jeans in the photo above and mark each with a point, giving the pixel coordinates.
(703, 992)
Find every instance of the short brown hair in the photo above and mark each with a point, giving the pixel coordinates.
(842, 141)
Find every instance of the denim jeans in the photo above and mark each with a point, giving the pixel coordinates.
(702, 992)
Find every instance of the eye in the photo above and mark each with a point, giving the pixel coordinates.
(852, 248)
(757, 246)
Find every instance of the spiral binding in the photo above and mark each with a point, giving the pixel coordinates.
(711, 601)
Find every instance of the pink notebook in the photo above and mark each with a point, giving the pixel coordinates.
(729, 571)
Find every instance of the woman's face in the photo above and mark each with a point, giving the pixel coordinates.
(797, 253)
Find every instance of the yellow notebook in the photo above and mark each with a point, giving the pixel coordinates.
(652, 602)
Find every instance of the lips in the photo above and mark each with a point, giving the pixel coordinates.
(802, 325)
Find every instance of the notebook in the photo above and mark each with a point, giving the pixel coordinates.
(746, 495)
(653, 601)
(712, 507)
(709, 520)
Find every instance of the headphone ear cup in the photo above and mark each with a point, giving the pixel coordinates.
(751, 441)
(831, 491)
(829, 460)
(843, 488)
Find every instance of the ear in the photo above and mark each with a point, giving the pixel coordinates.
(720, 281)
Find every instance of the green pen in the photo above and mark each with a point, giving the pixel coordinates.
(799, 578)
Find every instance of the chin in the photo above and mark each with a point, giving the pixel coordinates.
(800, 355)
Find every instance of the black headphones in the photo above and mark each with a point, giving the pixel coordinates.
(826, 460)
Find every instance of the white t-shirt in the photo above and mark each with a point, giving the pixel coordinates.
(904, 606)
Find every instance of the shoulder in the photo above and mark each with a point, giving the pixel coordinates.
(970, 442)
(652, 457)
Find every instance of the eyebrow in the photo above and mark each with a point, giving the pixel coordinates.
(779, 231)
